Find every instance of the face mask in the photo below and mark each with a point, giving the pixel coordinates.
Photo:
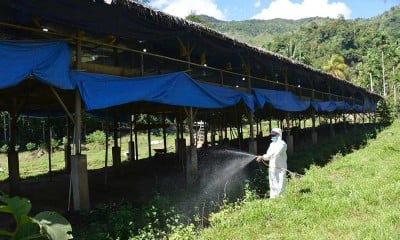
(274, 139)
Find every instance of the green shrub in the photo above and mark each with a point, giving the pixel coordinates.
(120, 222)
(249, 193)
(4, 148)
(55, 143)
(43, 146)
(384, 111)
(30, 146)
(154, 221)
(98, 137)
(108, 222)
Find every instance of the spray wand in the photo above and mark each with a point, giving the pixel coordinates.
(292, 174)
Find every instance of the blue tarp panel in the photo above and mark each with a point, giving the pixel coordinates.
(47, 61)
(342, 106)
(357, 108)
(324, 106)
(178, 89)
(331, 106)
(282, 100)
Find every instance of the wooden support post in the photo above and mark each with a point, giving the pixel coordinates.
(106, 151)
(270, 124)
(67, 147)
(252, 141)
(136, 139)
(257, 128)
(79, 179)
(116, 149)
(344, 114)
(354, 114)
(49, 147)
(13, 161)
(225, 128)
(191, 159)
(180, 142)
(78, 123)
(205, 144)
(148, 135)
(314, 134)
(164, 132)
(332, 132)
(177, 133)
(131, 144)
(289, 140)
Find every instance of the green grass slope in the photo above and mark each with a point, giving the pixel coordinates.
(356, 196)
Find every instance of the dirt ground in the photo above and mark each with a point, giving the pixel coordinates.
(135, 182)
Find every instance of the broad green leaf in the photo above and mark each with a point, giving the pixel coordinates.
(5, 209)
(54, 225)
(27, 231)
(5, 233)
(19, 207)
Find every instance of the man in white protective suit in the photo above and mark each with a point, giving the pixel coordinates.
(276, 155)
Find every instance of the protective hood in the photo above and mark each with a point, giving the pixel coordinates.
(278, 131)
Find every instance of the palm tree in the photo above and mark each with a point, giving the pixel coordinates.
(336, 66)
(293, 53)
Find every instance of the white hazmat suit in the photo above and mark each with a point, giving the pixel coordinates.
(276, 155)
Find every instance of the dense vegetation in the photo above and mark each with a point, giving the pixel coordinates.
(314, 41)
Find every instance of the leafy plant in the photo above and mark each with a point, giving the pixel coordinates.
(30, 146)
(45, 224)
(55, 143)
(98, 137)
(336, 66)
(4, 148)
(384, 111)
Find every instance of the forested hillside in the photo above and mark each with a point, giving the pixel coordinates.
(325, 42)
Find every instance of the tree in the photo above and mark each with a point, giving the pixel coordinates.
(336, 66)
(195, 18)
(293, 53)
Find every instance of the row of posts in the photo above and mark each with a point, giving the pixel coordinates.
(78, 163)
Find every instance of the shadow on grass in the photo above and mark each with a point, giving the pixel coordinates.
(344, 143)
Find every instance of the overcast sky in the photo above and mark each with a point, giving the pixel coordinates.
(269, 9)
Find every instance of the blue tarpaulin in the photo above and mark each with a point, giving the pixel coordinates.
(342, 106)
(357, 108)
(281, 100)
(327, 106)
(331, 106)
(47, 61)
(102, 91)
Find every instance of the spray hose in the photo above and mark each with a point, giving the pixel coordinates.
(291, 174)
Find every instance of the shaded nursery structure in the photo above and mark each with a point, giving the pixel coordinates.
(118, 60)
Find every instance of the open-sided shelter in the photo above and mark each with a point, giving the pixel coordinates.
(130, 40)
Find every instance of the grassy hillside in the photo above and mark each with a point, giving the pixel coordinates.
(353, 197)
